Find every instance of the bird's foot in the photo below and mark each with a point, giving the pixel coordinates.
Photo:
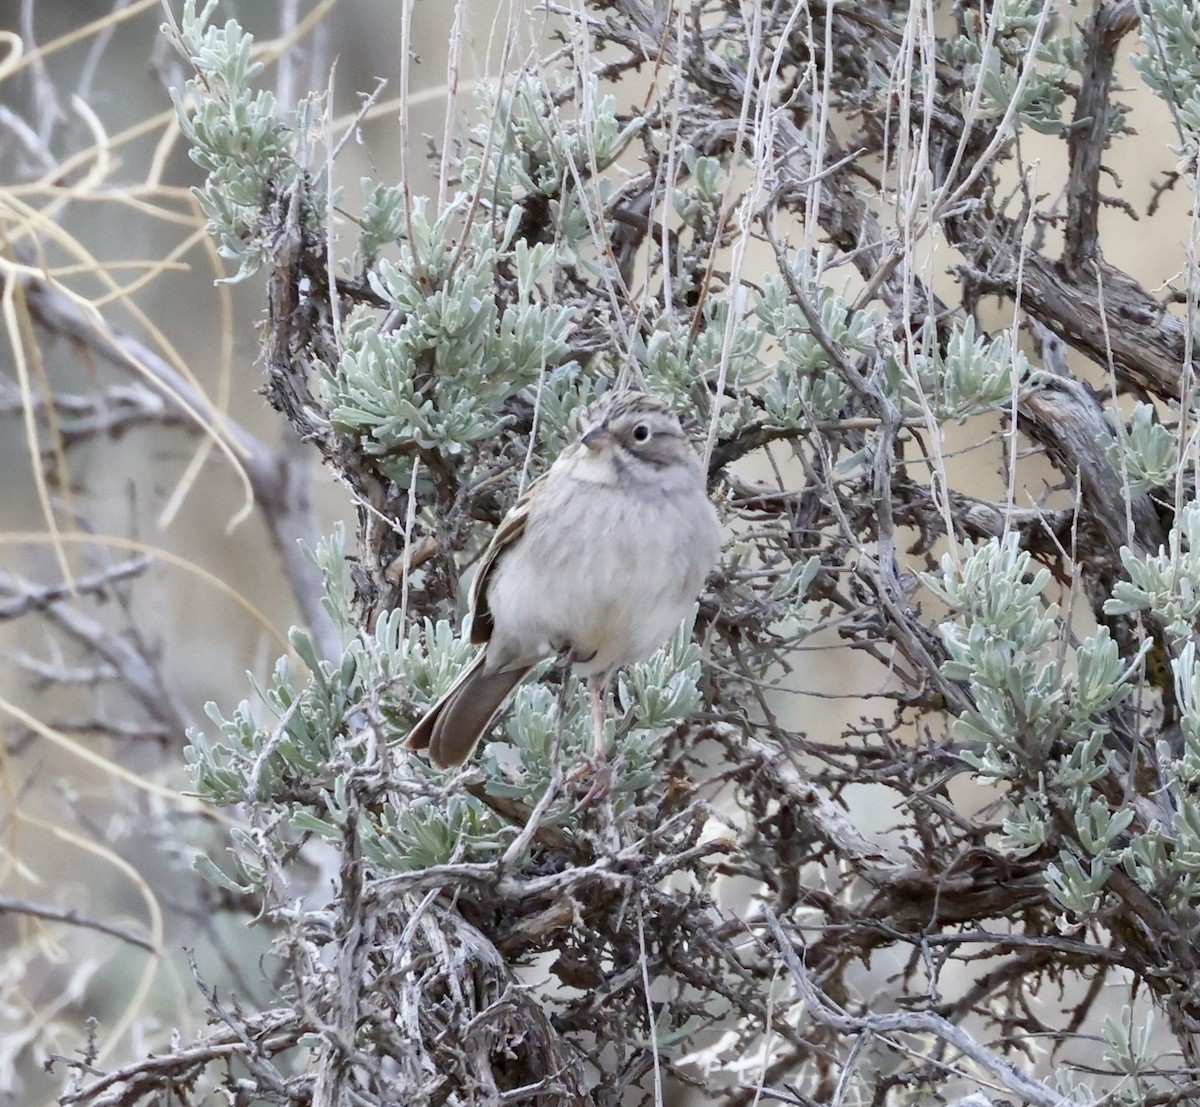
(596, 772)
(566, 655)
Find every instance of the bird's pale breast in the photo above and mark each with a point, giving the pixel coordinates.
(608, 576)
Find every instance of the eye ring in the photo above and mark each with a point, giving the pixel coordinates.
(641, 433)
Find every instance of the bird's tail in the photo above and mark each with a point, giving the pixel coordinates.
(452, 726)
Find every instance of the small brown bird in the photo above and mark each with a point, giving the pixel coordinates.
(600, 559)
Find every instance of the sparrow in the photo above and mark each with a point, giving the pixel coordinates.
(599, 561)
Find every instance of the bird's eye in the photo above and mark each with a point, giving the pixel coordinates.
(641, 433)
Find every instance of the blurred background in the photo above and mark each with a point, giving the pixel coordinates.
(94, 188)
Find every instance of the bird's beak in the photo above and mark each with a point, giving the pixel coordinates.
(597, 437)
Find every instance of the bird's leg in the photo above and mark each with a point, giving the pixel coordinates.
(596, 767)
(601, 771)
(596, 689)
(564, 689)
